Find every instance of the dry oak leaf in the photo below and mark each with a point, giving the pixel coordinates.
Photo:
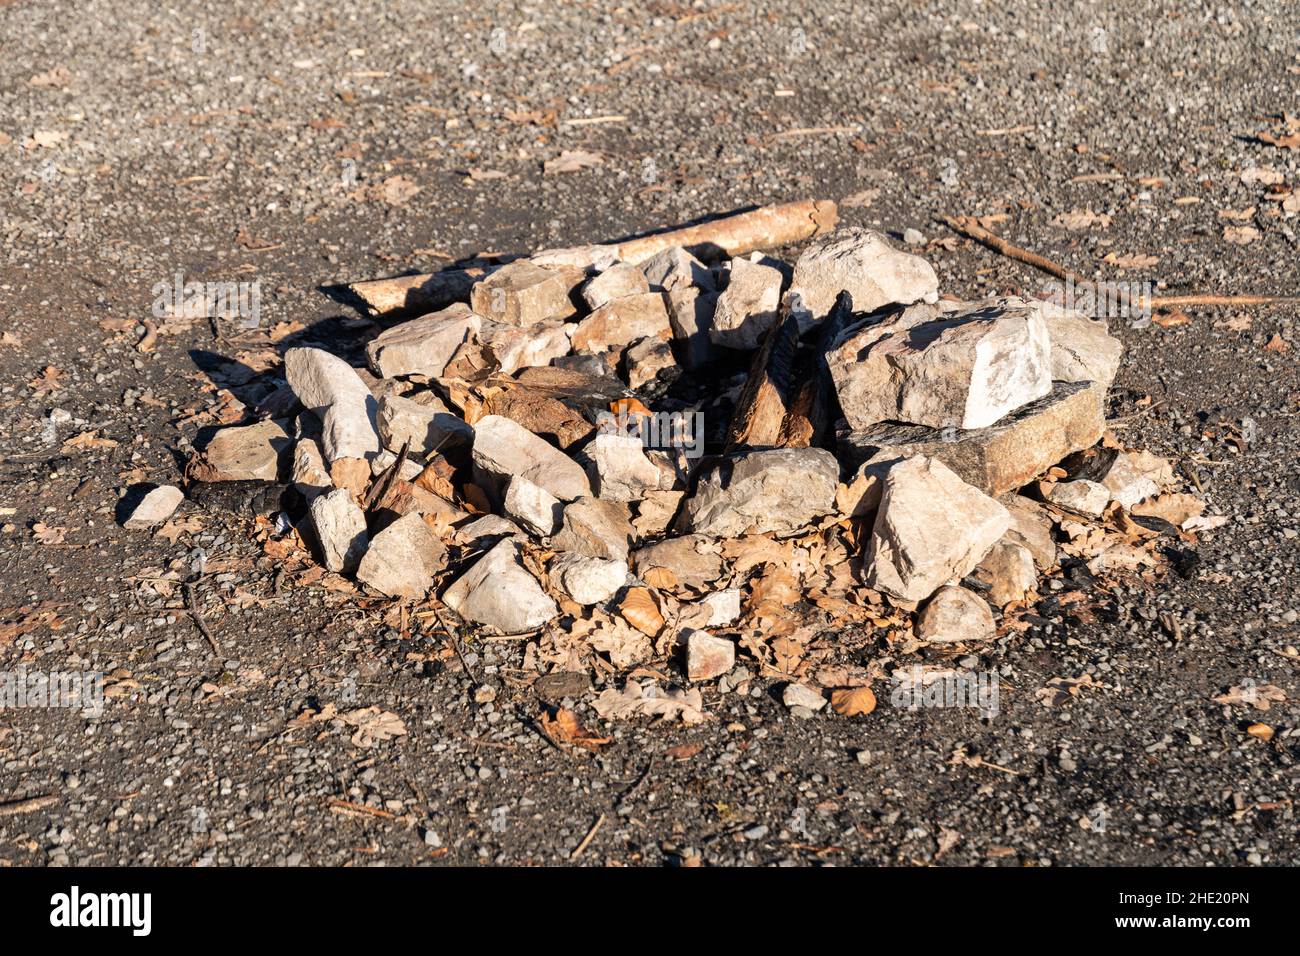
(571, 161)
(1058, 690)
(1137, 260)
(565, 729)
(174, 528)
(1259, 696)
(648, 699)
(86, 440)
(373, 726)
(1277, 344)
(1170, 319)
(49, 380)
(853, 701)
(1078, 219)
(45, 534)
(1240, 235)
(55, 79)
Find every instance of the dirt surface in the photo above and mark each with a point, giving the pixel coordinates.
(262, 143)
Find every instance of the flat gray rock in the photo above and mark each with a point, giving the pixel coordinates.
(778, 490)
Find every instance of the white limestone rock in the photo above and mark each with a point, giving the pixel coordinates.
(966, 370)
(340, 527)
(154, 508)
(862, 262)
(1083, 497)
(425, 345)
(955, 615)
(499, 592)
(247, 452)
(596, 528)
(503, 448)
(403, 558)
(1008, 569)
(309, 473)
(620, 279)
(332, 389)
(707, 656)
(522, 293)
(589, 580)
(428, 425)
(624, 472)
(534, 508)
(931, 528)
(749, 302)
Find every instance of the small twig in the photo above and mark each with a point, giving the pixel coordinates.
(1187, 301)
(30, 805)
(586, 841)
(966, 226)
(338, 805)
(196, 615)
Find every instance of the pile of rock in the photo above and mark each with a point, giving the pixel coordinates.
(498, 455)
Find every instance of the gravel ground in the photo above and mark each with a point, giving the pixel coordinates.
(264, 143)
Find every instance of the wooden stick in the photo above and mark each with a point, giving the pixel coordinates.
(196, 615)
(764, 228)
(30, 805)
(967, 226)
(586, 841)
(973, 230)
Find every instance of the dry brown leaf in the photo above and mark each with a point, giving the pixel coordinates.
(648, 699)
(1288, 141)
(683, 751)
(1260, 732)
(662, 579)
(1250, 694)
(1137, 260)
(373, 726)
(1058, 690)
(641, 611)
(564, 729)
(46, 534)
(1079, 219)
(1177, 507)
(860, 200)
(87, 440)
(571, 161)
(1277, 344)
(853, 701)
(50, 379)
(1171, 318)
(396, 190)
(1240, 235)
(56, 78)
(176, 527)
